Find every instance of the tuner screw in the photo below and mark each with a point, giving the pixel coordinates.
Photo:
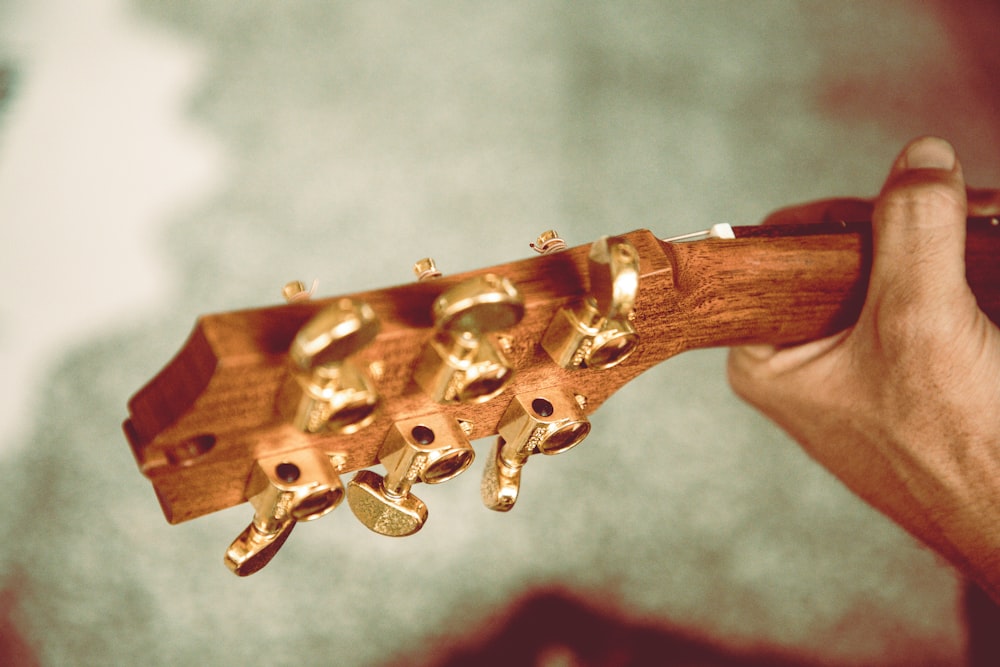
(327, 392)
(296, 291)
(547, 243)
(550, 422)
(462, 363)
(431, 450)
(598, 333)
(426, 269)
(283, 490)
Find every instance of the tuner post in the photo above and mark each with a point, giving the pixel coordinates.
(429, 449)
(283, 490)
(598, 332)
(462, 363)
(550, 421)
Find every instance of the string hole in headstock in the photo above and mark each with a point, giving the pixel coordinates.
(542, 407)
(287, 472)
(422, 435)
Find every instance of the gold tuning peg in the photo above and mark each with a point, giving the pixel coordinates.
(283, 490)
(550, 421)
(431, 450)
(598, 333)
(461, 363)
(327, 391)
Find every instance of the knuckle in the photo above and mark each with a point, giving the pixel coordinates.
(923, 201)
(912, 331)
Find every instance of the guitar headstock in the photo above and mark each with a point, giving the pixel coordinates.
(272, 405)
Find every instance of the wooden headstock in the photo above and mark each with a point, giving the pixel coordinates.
(201, 427)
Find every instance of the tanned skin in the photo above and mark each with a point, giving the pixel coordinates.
(904, 407)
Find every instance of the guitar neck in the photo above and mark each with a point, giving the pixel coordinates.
(786, 284)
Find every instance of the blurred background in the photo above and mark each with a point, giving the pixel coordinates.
(163, 159)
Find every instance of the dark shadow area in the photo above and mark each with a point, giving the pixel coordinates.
(554, 627)
(982, 617)
(975, 27)
(14, 649)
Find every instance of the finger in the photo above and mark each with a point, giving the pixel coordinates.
(918, 227)
(824, 210)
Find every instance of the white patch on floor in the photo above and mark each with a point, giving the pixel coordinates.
(96, 153)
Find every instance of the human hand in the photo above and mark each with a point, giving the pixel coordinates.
(903, 407)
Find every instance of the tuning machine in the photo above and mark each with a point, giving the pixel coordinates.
(461, 363)
(598, 332)
(328, 392)
(430, 449)
(283, 490)
(550, 421)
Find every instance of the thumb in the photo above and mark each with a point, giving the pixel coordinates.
(919, 227)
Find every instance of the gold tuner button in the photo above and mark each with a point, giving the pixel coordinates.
(550, 422)
(283, 490)
(431, 450)
(598, 332)
(326, 391)
(462, 363)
